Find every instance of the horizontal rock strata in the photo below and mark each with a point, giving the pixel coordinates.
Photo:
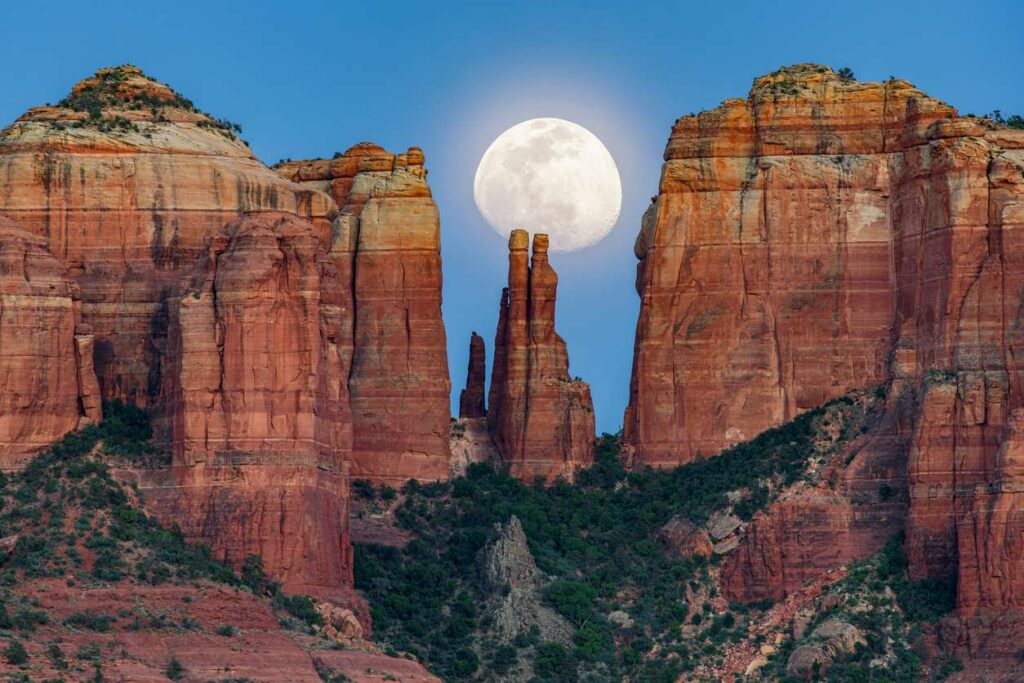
(386, 243)
(822, 235)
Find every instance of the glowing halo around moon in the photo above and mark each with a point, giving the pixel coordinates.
(549, 175)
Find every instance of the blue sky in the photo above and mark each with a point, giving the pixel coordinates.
(308, 78)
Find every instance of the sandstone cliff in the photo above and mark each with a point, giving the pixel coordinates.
(541, 420)
(258, 405)
(275, 352)
(386, 245)
(129, 185)
(47, 383)
(471, 400)
(826, 234)
(127, 181)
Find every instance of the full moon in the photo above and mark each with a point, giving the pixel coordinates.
(549, 175)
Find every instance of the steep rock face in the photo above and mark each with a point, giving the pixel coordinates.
(253, 348)
(47, 383)
(541, 420)
(471, 443)
(386, 243)
(127, 181)
(765, 272)
(471, 400)
(257, 413)
(846, 511)
(826, 234)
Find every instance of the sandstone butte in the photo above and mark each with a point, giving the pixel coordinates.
(471, 400)
(540, 419)
(386, 242)
(279, 337)
(823, 235)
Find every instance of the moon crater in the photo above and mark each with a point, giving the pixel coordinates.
(549, 175)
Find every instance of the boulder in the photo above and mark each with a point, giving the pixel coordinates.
(829, 640)
(681, 538)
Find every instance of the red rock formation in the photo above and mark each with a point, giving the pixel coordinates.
(855, 505)
(47, 383)
(826, 234)
(386, 242)
(127, 182)
(681, 538)
(541, 420)
(257, 405)
(471, 400)
(764, 276)
(249, 366)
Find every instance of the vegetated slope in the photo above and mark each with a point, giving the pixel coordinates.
(890, 618)
(93, 588)
(636, 611)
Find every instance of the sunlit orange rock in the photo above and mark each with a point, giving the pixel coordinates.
(541, 419)
(257, 414)
(127, 182)
(823, 235)
(765, 273)
(386, 242)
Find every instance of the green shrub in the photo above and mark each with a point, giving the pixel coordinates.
(554, 663)
(15, 653)
(503, 658)
(174, 671)
(27, 618)
(574, 600)
(56, 656)
(93, 622)
(302, 607)
(363, 488)
(89, 652)
(254, 576)
(1011, 120)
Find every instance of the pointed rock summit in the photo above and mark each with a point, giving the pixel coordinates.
(471, 400)
(541, 420)
(515, 585)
